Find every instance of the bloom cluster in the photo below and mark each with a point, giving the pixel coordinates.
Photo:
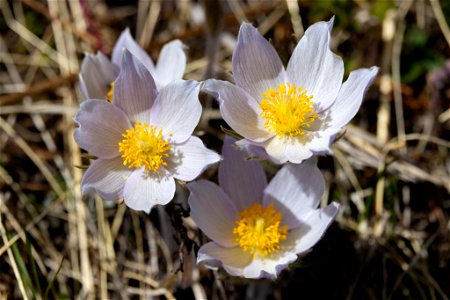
(138, 120)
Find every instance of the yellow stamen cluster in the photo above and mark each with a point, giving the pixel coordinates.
(110, 94)
(258, 230)
(144, 146)
(287, 111)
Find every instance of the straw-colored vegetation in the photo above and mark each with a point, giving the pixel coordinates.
(390, 169)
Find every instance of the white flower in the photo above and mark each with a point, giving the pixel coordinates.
(143, 139)
(98, 72)
(256, 228)
(290, 113)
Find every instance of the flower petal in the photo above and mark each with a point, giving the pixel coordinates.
(143, 191)
(292, 149)
(256, 65)
(315, 68)
(314, 226)
(213, 211)
(297, 151)
(107, 177)
(171, 63)
(276, 149)
(350, 97)
(243, 180)
(253, 149)
(320, 142)
(341, 112)
(126, 41)
(269, 266)
(194, 159)
(237, 262)
(101, 126)
(238, 109)
(134, 89)
(233, 260)
(295, 191)
(96, 75)
(177, 109)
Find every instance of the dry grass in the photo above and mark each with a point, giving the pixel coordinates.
(390, 171)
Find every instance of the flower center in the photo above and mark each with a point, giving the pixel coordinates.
(144, 146)
(287, 111)
(109, 96)
(258, 230)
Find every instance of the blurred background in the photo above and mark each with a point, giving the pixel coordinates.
(390, 169)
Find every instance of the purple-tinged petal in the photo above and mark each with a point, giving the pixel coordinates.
(193, 158)
(100, 130)
(171, 63)
(213, 211)
(341, 112)
(238, 109)
(315, 68)
(233, 260)
(295, 191)
(134, 89)
(314, 226)
(350, 97)
(253, 150)
(256, 65)
(107, 177)
(126, 41)
(96, 75)
(177, 110)
(243, 180)
(143, 191)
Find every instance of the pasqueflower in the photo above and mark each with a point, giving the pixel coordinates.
(257, 229)
(98, 72)
(143, 139)
(295, 112)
